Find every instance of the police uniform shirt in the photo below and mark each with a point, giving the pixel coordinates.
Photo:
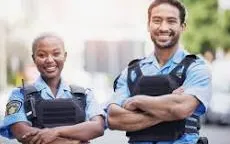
(197, 83)
(15, 110)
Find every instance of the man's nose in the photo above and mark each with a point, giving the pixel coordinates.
(164, 26)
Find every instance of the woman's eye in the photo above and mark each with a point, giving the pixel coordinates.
(56, 54)
(41, 55)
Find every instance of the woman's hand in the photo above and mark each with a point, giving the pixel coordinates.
(42, 136)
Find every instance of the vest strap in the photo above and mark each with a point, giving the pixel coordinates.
(33, 103)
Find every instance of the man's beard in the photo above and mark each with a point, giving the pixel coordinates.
(168, 45)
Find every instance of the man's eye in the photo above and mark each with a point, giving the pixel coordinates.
(156, 21)
(172, 21)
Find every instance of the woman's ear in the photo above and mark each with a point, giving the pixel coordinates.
(33, 57)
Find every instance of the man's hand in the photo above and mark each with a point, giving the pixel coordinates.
(43, 136)
(130, 104)
(178, 91)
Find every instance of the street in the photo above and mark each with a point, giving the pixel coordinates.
(216, 134)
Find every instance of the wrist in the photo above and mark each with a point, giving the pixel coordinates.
(57, 131)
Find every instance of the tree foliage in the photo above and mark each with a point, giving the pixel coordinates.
(207, 25)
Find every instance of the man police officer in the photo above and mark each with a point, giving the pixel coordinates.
(159, 99)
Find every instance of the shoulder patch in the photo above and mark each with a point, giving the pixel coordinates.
(13, 107)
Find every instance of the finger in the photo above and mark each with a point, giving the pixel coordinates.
(35, 139)
(178, 91)
(46, 140)
(39, 141)
(32, 133)
(127, 102)
(181, 90)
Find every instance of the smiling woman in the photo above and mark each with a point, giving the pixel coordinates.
(49, 56)
(58, 112)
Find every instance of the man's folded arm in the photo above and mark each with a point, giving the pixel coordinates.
(122, 119)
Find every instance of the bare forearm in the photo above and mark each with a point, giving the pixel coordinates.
(168, 107)
(21, 128)
(65, 141)
(122, 119)
(83, 131)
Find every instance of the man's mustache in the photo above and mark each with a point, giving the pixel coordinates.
(171, 32)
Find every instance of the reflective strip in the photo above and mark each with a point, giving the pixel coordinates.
(192, 124)
(191, 127)
(192, 119)
(195, 116)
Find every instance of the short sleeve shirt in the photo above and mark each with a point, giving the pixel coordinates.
(197, 84)
(16, 112)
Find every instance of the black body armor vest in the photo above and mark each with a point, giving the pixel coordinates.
(156, 86)
(54, 112)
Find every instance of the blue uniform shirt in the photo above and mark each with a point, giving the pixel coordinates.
(64, 91)
(197, 84)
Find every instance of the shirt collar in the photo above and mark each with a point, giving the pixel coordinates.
(40, 84)
(179, 55)
(176, 58)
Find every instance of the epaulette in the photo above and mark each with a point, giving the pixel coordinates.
(77, 89)
(134, 62)
(192, 56)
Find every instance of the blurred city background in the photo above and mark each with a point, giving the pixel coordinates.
(101, 37)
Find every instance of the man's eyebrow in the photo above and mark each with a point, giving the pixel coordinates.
(156, 17)
(174, 18)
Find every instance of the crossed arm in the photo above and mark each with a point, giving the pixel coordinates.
(166, 108)
(66, 134)
(21, 128)
(122, 119)
(152, 110)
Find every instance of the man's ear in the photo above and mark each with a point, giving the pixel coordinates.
(148, 27)
(183, 26)
(65, 55)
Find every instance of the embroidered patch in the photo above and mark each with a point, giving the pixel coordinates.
(13, 107)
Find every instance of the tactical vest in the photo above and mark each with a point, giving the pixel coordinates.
(156, 86)
(54, 112)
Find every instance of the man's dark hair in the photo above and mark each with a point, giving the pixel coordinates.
(43, 36)
(176, 3)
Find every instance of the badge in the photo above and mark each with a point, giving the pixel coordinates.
(13, 107)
